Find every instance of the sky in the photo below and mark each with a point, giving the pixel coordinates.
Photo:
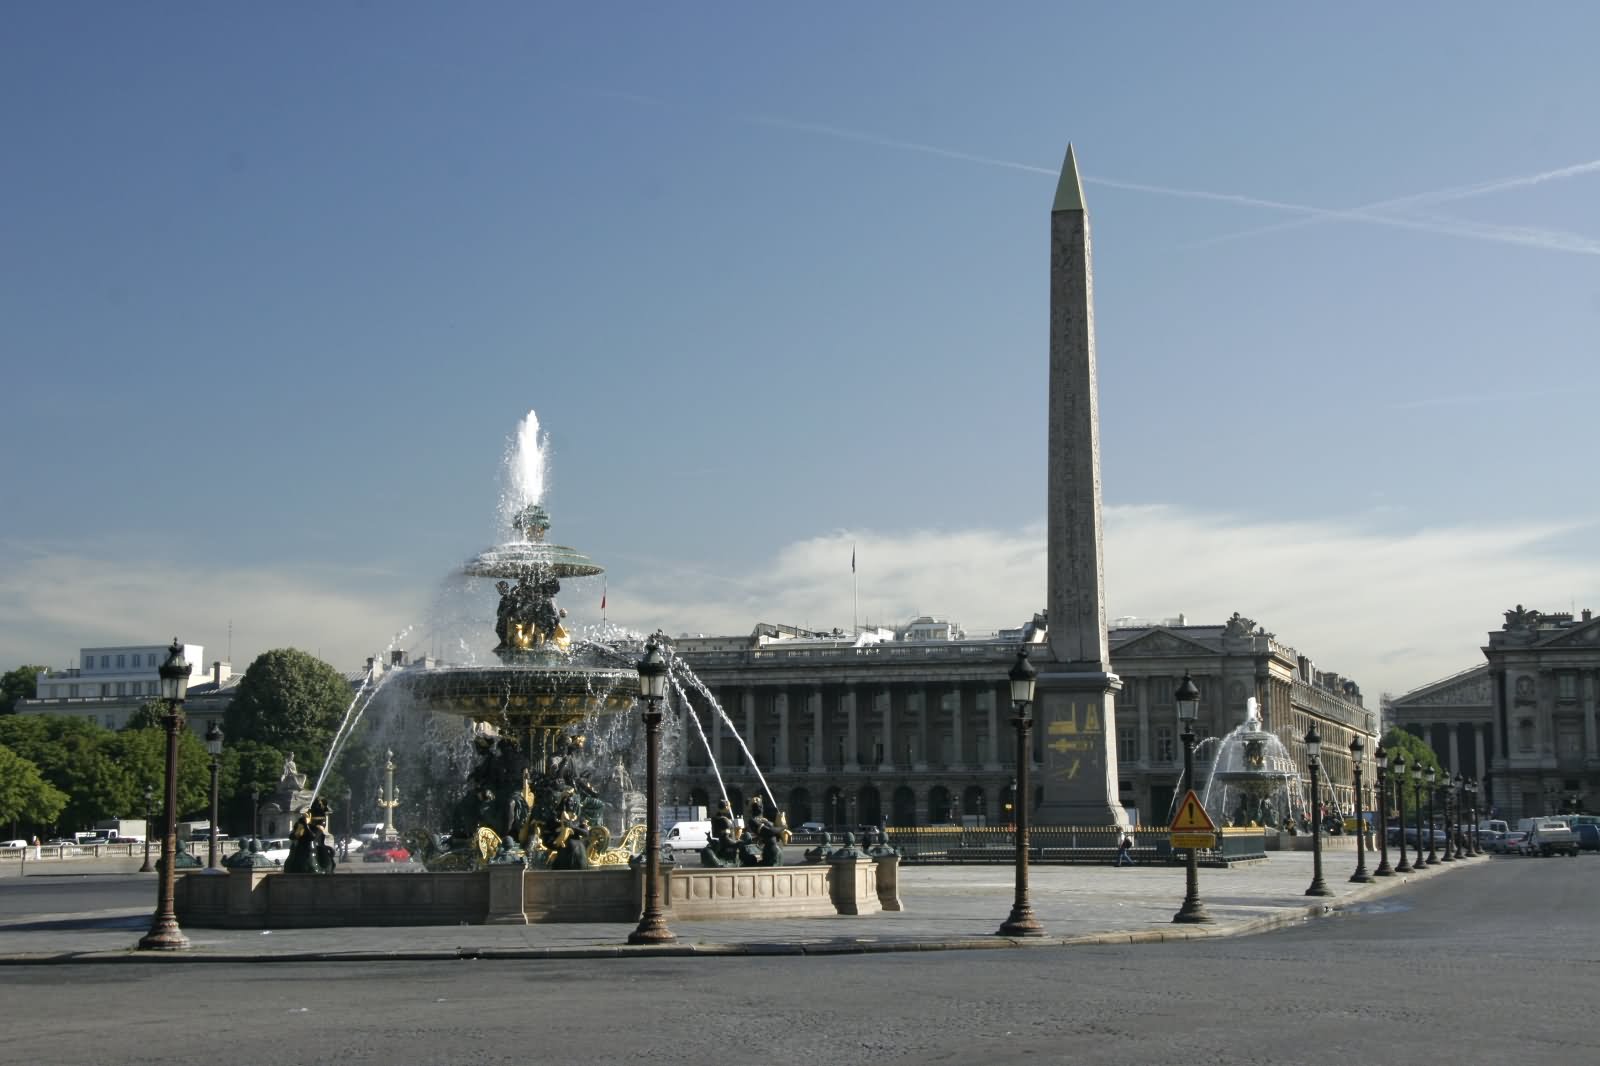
(279, 284)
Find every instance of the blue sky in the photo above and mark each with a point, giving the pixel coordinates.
(775, 283)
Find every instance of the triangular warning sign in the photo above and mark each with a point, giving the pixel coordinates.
(1192, 816)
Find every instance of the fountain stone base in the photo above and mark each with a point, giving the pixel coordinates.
(252, 897)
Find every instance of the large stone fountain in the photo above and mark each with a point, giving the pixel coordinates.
(1254, 779)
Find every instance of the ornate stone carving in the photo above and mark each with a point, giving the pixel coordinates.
(1520, 617)
(1472, 691)
(1239, 626)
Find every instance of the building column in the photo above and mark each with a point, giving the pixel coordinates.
(747, 699)
(1142, 695)
(1587, 702)
(1455, 748)
(712, 703)
(887, 700)
(819, 750)
(852, 740)
(780, 703)
(1478, 731)
(921, 760)
(958, 759)
(995, 761)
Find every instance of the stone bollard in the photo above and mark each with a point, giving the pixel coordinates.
(853, 881)
(505, 895)
(889, 881)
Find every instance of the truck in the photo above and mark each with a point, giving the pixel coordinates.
(119, 831)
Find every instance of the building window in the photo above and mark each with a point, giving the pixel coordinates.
(1164, 752)
(122, 688)
(111, 722)
(72, 691)
(1568, 686)
(150, 660)
(105, 662)
(1525, 734)
(122, 662)
(1128, 743)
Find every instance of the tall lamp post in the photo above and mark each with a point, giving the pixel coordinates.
(1188, 700)
(149, 825)
(1399, 779)
(652, 688)
(1021, 921)
(214, 746)
(1357, 749)
(1430, 775)
(1381, 757)
(1449, 819)
(1459, 826)
(164, 934)
(1314, 757)
(1472, 826)
(1416, 801)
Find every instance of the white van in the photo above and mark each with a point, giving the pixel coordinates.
(687, 836)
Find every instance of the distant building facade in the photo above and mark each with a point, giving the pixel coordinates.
(111, 683)
(916, 731)
(1527, 721)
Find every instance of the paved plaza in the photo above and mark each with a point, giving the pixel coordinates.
(946, 908)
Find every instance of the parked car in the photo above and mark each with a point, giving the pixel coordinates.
(1552, 837)
(387, 853)
(1510, 842)
(811, 827)
(13, 843)
(1489, 839)
(1588, 836)
(276, 849)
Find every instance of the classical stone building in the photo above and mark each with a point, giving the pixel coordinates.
(1524, 722)
(915, 732)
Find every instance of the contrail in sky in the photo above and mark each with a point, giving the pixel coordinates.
(1438, 196)
(1549, 240)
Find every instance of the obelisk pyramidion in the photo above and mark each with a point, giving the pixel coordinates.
(1076, 693)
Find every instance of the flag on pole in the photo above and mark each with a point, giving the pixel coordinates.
(852, 558)
(602, 597)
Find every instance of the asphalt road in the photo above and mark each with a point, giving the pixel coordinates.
(1496, 967)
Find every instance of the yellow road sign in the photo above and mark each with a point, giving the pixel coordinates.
(1193, 840)
(1192, 818)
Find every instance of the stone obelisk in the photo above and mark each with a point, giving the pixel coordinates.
(1076, 694)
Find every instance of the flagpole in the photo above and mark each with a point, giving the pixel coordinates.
(855, 619)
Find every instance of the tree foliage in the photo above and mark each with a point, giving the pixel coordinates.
(26, 798)
(289, 701)
(18, 684)
(1416, 752)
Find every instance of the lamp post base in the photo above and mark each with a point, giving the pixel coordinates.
(1021, 923)
(1360, 877)
(652, 930)
(164, 935)
(1193, 912)
(1318, 888)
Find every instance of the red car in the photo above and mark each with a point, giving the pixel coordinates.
(386, 853)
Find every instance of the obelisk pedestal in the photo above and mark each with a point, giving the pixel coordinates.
(1076, 691)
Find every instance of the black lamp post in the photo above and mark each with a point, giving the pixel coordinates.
(652, 689)
(1416, 799)
(1357, 749)
(1381, 758)
(1188, 700)
(214, 746)
(1449, 820)
(349, 798)
(164, 934)
(1430, 775)
(1314, 757)
(255, 813)
(1458, 828)
(1399, 779)
(149, 825)
(1472, 826)
(1021, 922)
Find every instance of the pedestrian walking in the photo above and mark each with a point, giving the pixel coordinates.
(1125, 851)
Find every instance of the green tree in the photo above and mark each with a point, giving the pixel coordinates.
(72, 754)
(18, 684)
(289, 701)
(1416, 752)
(141, 756)
(26, 798)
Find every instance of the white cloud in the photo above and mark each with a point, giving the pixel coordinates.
(1391, 610)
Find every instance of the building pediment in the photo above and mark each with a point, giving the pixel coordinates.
(1471, 688)
(1161, 642)
(1583, 636)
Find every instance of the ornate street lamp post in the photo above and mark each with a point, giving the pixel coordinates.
(652, 688)
(1360, 876)
(1314, 757)
(1381, 757)
(1021, 921)
(1449, 819)
(214, 746)
(1463, 845)
(1188, 700)
(1472, 827)
(149, 825)
(1399, 779)
(1430, 775)
(164, 934)
(1416, 799)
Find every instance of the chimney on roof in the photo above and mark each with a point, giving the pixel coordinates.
(1587, 614)
(397, 658)
(216, 672)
